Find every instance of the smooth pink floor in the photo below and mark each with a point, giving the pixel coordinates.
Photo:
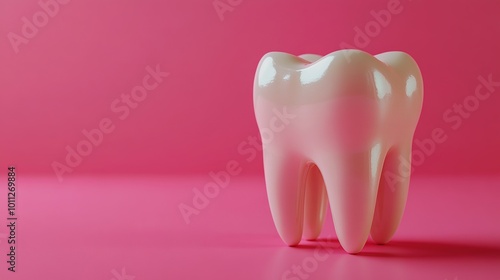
(131, 228)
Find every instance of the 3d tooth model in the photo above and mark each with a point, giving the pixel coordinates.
(331, 128)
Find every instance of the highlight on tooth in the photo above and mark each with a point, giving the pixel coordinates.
(337, 130)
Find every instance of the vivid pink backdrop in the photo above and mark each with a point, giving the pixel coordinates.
(65, 78)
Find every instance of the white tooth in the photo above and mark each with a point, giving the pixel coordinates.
(310, 57)
(342, 116)
(315, 194)
(315, 203)
(391, 198)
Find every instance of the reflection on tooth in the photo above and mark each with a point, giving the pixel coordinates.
(375, 155)
(315, 71)
(354, 116)
(381, 83)
(267, 73)
(411, 85)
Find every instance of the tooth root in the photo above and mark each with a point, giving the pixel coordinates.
(392, 194)
(285, 190)
(315, 203)
(352, 182)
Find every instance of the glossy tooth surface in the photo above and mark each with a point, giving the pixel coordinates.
(331, 127)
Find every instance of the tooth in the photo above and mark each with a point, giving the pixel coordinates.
(315, 194)
(315, 203)
(392, 194)
(354, 116)
(285, 194)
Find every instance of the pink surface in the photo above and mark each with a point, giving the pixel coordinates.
(69, 74)
(92, 228)
(65, 78)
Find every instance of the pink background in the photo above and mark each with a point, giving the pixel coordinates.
(65, 78)
(88, 226)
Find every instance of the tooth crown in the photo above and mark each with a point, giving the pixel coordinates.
(347, 99)
(343, 117)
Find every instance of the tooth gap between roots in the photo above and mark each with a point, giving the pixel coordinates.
(310, 166)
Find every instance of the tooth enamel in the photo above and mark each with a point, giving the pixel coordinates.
(355, 115)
